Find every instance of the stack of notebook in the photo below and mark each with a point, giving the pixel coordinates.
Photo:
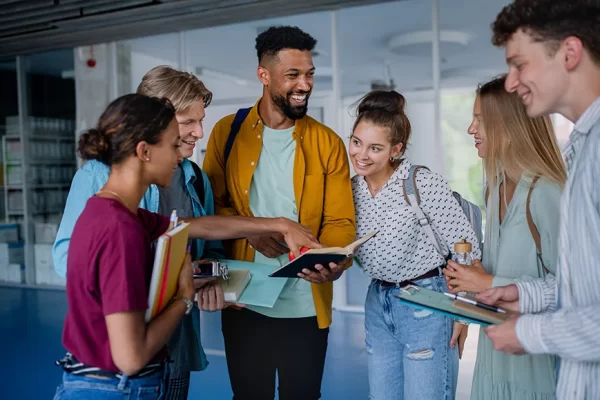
(234, 286)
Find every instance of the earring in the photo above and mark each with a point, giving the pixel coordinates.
(147, 158)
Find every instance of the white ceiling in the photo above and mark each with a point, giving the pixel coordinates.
(363, 36)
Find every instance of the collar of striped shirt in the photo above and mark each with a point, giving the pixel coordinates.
(587, 120)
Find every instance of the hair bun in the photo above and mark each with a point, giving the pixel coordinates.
(382, 100)
(386, 109)
(94, 144)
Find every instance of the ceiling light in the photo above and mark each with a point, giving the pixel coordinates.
(419, 42)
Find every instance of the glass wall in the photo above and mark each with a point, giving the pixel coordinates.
(467, 59)
(48, 154)
(225, 59)
(11, 236)
(387, 46)
(38, 161)
(137, 56)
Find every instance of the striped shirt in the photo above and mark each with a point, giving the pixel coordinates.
(567, 308)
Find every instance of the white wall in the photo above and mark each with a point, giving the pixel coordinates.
(95, 87)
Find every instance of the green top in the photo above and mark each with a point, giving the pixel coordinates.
(509, 253)
(272, 195)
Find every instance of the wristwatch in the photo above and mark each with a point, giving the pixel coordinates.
(189, 304)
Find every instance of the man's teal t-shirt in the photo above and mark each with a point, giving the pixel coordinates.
(272, 195)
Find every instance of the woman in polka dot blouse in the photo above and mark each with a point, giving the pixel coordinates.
(411, 352)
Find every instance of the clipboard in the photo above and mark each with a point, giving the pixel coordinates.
(418, 297)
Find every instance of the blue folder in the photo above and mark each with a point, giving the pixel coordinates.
(262, 290)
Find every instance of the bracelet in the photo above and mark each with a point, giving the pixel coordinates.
(189, 304)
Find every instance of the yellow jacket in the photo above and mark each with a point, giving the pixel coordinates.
(322, 187)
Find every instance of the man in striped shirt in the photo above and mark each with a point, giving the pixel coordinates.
(553, 54)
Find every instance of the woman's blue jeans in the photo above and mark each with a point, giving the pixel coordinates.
(409, 354)
(75, 387)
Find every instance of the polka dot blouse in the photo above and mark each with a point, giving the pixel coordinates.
(402, 250)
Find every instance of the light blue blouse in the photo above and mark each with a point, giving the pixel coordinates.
(509, 253)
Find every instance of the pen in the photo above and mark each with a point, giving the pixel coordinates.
(173, 220)
(475, 303)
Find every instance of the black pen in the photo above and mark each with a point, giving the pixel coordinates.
(475, 303)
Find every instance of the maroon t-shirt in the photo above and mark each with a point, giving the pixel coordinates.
(109, 266)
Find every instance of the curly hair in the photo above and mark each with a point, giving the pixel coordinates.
(551, 21)
(277, 38)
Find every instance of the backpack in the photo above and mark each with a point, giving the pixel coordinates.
(532, 228)
(411, 196)
(240, 116)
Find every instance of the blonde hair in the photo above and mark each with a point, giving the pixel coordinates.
(181, 88)
(516, 143)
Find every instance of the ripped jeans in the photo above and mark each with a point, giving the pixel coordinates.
(409, 354)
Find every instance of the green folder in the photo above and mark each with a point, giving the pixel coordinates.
(437, 302)
(262, 290)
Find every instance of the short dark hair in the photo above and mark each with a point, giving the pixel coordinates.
(551, 21)
(128, 120)
(277, 38)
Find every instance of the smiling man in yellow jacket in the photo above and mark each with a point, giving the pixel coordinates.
(281, 163)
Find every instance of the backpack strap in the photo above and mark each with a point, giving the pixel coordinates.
(410, 185)
(240, 116)
(199, 183)
(411, 196)
(532, 228)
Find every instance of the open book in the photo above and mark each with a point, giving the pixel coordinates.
(319, 256)
(171, 248)
(235, 285)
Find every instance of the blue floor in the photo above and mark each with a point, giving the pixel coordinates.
(31, 331)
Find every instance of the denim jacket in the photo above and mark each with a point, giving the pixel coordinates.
(90, 178)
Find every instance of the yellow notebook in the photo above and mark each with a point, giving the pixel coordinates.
(171, 249)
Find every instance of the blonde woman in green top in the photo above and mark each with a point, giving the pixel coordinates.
(524, 170)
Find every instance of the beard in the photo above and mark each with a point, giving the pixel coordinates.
(290, 111)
